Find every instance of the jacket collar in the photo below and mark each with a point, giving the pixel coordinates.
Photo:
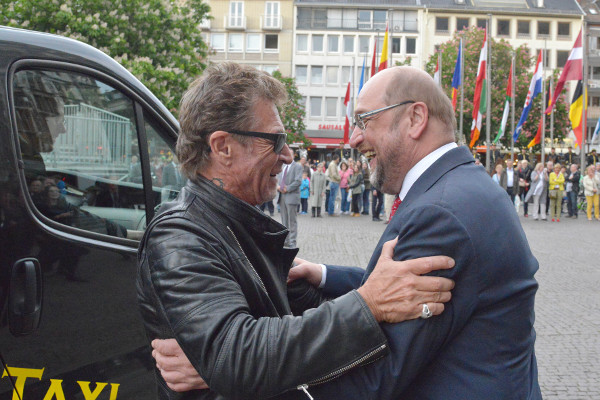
(452, 159)
(239, 212)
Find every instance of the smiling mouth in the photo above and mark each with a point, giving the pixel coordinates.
(370, 154)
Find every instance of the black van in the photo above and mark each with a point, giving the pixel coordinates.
(86, 157)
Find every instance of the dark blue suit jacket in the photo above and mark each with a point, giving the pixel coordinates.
(482, 346)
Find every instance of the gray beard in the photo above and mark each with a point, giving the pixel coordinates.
(377, 177)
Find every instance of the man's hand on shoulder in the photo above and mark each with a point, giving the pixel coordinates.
(396, 292)
(174, 366)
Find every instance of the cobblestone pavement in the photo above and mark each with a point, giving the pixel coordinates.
(568, 300)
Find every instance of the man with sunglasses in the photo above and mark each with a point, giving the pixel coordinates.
(213, 267)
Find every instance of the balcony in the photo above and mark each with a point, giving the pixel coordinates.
(234, 21)
(271, 22)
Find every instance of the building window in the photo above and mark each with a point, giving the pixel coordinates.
(301, 74)
(236, 14)
(350, 19)
(543, 28)
(272, 42)
(269, 69)
(379, 20)
(462, 23)
(395, 45)
(317, 43)
(217, 41)
(561, 58)
(365, 19)
(564, 29)
(411, 21)
(348, 44)
(319, 18)
(304, 18)
(316, 75)
(334, 18)
(332, 74)
(315, 106)
(345, 74)
(482, 23)
(411, 45)
(253, 42)
(302, 43)
(441, 24)
(503, 27)
(236, 42)
(523, 28)
(363, 44)
(331, 105)
(272, 14)
(312, 18)
(333, 44)
(594, 101)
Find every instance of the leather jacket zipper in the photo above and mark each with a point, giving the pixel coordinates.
(335, 374)
(262, 285)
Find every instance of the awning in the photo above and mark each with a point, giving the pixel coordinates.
(326, 143)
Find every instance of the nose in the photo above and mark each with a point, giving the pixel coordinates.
(357, 137)
(286, 155)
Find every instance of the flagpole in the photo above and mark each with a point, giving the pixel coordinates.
(512, 106)
(584, 39)
(352, 79)
(488, 114)
(391, 17)
(461, 134)
(543, 133)
(550, 88)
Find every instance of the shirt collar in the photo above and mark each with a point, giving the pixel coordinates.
(417, 170)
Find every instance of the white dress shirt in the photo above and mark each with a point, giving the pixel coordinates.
(419, 168)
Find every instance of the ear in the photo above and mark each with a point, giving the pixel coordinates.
(418, 117)
(220, 147)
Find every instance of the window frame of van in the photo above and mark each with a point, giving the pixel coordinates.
(142, 109)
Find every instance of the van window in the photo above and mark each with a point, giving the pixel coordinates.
(79, 145)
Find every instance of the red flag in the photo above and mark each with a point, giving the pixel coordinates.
(348, 115)
(479, 106)
(573, 70)
(374, 61)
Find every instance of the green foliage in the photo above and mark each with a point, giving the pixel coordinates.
(293, 112)
(157, 40)
(501, 55)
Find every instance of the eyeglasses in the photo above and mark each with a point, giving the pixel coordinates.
(278, 139)
(361, 120)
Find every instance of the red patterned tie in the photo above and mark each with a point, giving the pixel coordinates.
(395, 206)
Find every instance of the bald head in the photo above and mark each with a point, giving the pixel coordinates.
(409, 83)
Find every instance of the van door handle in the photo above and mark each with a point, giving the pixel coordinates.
(25, 297)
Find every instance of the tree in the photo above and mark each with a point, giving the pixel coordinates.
(157, 40)
(501, 55)
(293, 112)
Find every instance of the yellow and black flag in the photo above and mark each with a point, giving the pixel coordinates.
(576, 111)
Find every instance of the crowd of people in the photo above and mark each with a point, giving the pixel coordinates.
(552, 190)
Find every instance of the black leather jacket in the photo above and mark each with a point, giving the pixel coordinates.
(212, 273)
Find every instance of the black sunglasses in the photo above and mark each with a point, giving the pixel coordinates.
(278, 139)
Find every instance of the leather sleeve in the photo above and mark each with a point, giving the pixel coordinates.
(191, 281)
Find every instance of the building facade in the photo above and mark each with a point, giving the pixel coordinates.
(324, 44)
(254, 32)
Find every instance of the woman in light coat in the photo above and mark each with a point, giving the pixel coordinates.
(538, 190)
(591, 189)
(317, 189)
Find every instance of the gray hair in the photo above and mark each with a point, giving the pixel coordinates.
(223, 98)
